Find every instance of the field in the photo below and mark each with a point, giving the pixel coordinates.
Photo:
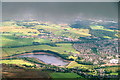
(19, 37)
(16, 72)
(114, 74)
(10, 41)
(63, 48)
(101, 28)
(112, 69)
(75, 64)
(64, 75)
(17, 62)
(97, 27)
(65, 31)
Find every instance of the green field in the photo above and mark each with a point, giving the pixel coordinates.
(64, 75)
(64, 31)
(101, 28)
(17, 62)
(9, 41)
(113, 73)
(74, 64)
(97, 27)
(63, 48)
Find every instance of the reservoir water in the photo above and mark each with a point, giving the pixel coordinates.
(48, 59)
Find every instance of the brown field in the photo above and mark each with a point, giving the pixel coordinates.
(16, 72)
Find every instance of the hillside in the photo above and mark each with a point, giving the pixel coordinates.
(85, 45)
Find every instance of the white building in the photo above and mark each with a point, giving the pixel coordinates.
(114, 61)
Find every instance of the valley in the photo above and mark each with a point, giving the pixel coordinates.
(88, 50)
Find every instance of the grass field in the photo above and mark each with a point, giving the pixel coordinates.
(113, 73)
(63, 48)
(16, 29)
(113, 69)
(8, 41)
(64, 75)
(107, 37)
(17, 62)
(101, 28)
(64, 31)
(75, 64)
(97, 27)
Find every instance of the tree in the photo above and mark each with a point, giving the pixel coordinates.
(36, 43)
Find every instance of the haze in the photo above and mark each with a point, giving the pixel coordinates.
(59, 12)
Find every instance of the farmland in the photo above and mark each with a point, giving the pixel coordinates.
(86, 48)
(75, 64)
(17, 62)
(64, 75)
(64, 48)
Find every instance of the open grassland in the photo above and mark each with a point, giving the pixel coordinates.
(18, 31)
(103, 33)
(114, 73)
(8, 41)
(64, 75)
(64, 31)
(75, 64)
(107, 37)
(41, 40)
(113, 69)
(101, 28)
(97, 27)
(8, 23)
(17, 62)
(63, 48)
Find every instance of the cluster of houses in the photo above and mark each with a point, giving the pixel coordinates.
(106, 52)
(49, 36)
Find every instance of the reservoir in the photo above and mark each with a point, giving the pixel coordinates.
(47, 59)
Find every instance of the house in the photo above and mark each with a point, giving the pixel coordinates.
(114, 61)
